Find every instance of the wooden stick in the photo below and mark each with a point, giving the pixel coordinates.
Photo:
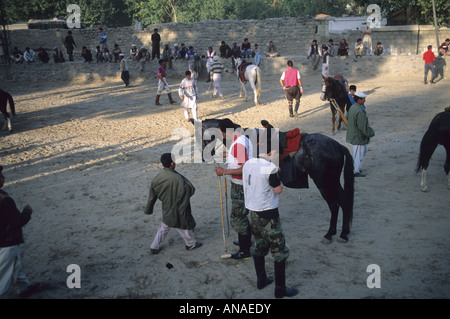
(221, 211)
(342, 115)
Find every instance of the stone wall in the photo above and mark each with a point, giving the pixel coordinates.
(292, 36)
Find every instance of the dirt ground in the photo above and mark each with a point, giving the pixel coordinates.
(83, 154)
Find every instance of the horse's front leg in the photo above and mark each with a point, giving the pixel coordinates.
(245, 92)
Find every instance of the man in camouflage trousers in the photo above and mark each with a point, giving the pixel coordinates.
(262, 187)
(240, 151)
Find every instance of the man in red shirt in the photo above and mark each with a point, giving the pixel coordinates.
(429, 57)
(240, 151)
(162, 83)
(292, 84)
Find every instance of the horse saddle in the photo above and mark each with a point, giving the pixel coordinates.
(242, 68)
(342, 82)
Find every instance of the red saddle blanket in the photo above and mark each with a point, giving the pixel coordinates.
(242, 68)
(290, 140)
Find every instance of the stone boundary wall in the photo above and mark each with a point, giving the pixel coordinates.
(292, 36)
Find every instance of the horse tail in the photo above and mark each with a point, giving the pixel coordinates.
(258, 82)
(349, 187)
(428, 145)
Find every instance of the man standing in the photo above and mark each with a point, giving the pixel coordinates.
(190, 56)
(240, 151)
(216, 71)
(367, 41)
(174, 191)
(326, 61)
(11, 236)
(210, 54)
(103, 39)
(262, 187)
(292, 84)
(162, 83)
(125, 75)
(314, 53)
(69, 44)
(188, 93)
(429, 58)
(358, 132)
(156, 39)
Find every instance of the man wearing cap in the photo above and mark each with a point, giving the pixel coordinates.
(292, 84)
(358, 132)
(174, 191)
(125, 75)
(216, 71)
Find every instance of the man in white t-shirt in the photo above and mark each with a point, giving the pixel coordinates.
(262, 187)
(240, 151)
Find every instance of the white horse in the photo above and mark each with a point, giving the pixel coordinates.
(252, 75)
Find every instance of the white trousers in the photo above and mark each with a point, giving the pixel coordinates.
(190, 103)
(186, 234)
(217, 78)
(10, 270)
(325, 71)
(359, 151)
(162, 85)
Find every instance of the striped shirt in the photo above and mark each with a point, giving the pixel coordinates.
(217, 68)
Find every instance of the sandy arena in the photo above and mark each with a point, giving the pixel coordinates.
(83, 154)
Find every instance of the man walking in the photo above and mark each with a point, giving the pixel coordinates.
(125, 75)
(358, 132)
(69, 44)
(188, 93)
(216, 72)
(262, 187)
(292, 84)
(162, 83)
(11, 236)
(174, 191)
(429, 58)
(240, 151)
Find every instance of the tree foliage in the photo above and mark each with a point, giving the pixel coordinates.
(114, 13)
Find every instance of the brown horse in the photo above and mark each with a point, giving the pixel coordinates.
(335, 91)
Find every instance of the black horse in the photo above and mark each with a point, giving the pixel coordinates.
(438, 133)
(323, 159)
(336, 89)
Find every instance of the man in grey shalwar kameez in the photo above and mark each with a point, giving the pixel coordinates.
(174, 191)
